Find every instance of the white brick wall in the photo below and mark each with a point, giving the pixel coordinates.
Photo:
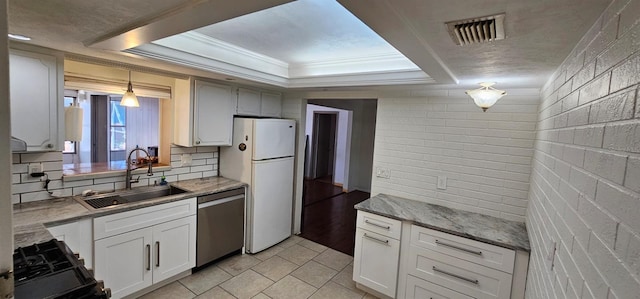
(585, 183)
(486, 156)
(25, 188)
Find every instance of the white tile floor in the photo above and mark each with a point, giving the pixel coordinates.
(295, 268)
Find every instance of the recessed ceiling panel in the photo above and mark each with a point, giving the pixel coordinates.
(302, 32)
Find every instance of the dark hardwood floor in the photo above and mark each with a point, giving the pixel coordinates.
(319, 189)
(329, 218)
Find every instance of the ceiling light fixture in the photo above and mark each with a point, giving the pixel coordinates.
(129, 98)
(18, 36)
(486, 96)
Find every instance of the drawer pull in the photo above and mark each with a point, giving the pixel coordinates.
(148, 257)
(474, 281)
(386, 242)
(158, 254)
(459, 248)
(378, 225)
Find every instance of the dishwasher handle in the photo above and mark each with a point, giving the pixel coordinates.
(219, 201)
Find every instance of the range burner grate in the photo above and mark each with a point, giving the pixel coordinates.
(51, 270)
(39, 259)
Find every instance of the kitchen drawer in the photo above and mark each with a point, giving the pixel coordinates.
(379, 224)
(495, 257)
(123, 222)
(421, 289)
(455, 274)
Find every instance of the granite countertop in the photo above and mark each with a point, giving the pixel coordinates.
(31, 219)
(479, 227)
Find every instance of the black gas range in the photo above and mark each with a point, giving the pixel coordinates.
(51, 270)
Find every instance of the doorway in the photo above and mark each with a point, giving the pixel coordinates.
(324, 144)
(327, 215)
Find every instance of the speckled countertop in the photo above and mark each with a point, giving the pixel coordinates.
(479, 227)
(31, 219)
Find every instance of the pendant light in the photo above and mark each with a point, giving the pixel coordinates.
(129, 98)
(486, 96)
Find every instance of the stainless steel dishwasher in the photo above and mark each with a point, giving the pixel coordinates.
(220, 228)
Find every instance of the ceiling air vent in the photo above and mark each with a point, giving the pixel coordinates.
(477, 30)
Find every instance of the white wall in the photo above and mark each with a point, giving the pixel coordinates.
(485, 156)
(342, 147)
(585, 183)
(6, 227)
(362, 138)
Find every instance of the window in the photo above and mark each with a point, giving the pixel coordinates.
(110, 131)
(69, 146)
(117, 126)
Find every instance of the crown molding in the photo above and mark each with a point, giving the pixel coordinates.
(199, 51)
(207, 64)
(369, 64)
(201, 45)
(363, 79)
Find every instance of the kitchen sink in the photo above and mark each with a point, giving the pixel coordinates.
(129, 196)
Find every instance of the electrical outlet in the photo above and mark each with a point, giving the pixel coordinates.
(186, 160)
(382, 172)
(442, 182)
(35, 167)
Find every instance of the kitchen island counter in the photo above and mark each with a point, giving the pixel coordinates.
(31, 219)
(475, 226)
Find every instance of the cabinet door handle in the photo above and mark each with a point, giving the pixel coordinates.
(378, 225)
(458, 247)
(474, 281)
(385, 242)
(197, 141)
(158, 254)
(148, 257)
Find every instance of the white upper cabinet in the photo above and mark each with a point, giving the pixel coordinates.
(271, 104)
(36, 99)
(256, 103)
(203, 113)
(248, 102)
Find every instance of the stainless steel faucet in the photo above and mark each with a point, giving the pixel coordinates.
(130, 179)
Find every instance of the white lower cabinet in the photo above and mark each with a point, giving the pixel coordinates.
(376, 265)
(467, 278)
(78, 236)
(401, 260)
(377, 253)
(150, 251)
(421, 289)
(124, 261)
(174, 245)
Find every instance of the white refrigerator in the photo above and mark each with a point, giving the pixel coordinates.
(262, 155)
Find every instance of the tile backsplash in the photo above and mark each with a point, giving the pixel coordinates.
(204, 163)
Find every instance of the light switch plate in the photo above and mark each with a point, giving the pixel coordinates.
(382, 172)
(442, 182)
(186, 160)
